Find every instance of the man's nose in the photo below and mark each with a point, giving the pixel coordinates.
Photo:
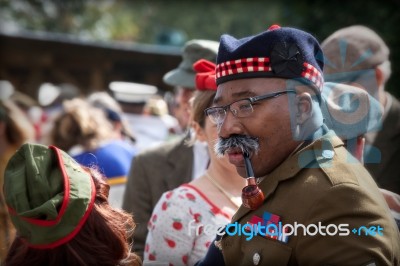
(229, 126)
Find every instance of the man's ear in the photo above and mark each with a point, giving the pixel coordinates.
(303, 107)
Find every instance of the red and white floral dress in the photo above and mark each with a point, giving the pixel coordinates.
(182, 226)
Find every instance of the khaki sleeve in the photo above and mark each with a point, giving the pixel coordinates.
(343, 208)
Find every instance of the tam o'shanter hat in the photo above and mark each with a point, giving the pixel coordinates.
(48, 194)
(279, 52)
(184, 74)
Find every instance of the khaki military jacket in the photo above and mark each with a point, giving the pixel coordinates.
(322, 183)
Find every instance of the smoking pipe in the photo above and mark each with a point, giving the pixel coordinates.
(252, 196)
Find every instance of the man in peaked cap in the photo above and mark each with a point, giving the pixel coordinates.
(182, 77)
(165, 167)
(149, 130)
(358, 55)
(319, 207)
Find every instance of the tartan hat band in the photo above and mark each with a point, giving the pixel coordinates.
(49, 195)
(261, 67)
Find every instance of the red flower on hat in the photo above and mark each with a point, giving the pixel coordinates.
(205, 77)
(287, 60)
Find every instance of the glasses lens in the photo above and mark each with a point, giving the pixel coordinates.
(242, 108)
(216, 114)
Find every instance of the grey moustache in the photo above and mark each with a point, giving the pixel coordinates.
(245, 143)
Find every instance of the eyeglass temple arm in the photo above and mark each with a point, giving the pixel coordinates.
(273, 95)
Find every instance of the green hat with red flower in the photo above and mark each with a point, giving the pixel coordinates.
(49, 195)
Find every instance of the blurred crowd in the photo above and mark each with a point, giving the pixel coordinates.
(102, 129)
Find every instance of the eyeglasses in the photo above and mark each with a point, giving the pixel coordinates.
(240, 108)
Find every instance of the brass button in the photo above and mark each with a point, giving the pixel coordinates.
(256, 258)
(328, 154)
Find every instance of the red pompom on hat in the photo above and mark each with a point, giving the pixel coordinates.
(205, 75)
(274, 27)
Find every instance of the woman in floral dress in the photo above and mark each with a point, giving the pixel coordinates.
(185, 220)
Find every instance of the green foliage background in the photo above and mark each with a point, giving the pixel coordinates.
(173, 22)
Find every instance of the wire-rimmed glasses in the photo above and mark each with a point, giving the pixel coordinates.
(240, 108)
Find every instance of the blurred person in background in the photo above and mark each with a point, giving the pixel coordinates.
(180, 107)
(85, 133)
(121, 131)
(33, 111)
(51, 98)
(157, 106)
(6, 89)
(181, 78)
(26, 104)
(352, 112)
(15, 129)
(149, 129)
(358, 56)
(61, 214)
(113, 113)
(176, 232)
(165, 167)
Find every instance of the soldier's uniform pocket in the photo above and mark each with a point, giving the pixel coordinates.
(266, 251)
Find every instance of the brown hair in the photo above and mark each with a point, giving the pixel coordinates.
(80, 123)
(200, 101)
(103, 240)
(18, 128)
